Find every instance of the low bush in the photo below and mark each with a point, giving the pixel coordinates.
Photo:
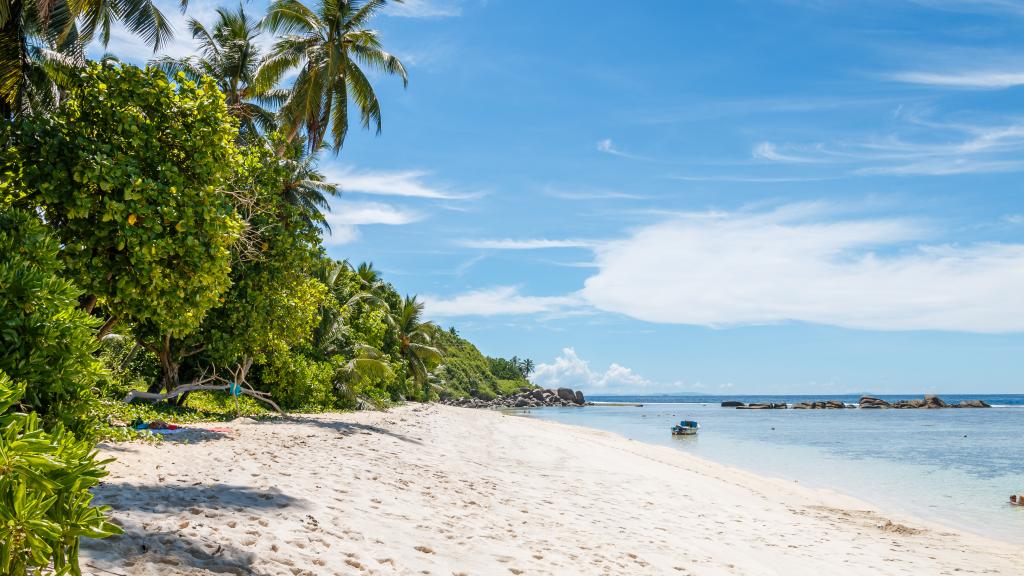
(45, 504)
(46, 341)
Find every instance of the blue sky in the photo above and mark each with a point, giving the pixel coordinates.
(703, 197)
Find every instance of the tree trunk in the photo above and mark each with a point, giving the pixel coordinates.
(106, 328)
(169, 366)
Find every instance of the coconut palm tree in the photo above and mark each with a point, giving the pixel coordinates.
(330, 46)
(527, 367)
(228, 53)
(416, 349)
(306, 187)
(42, 43)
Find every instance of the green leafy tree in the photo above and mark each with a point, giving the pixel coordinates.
(130, 173)
(45, 504)
(271, 306)
(46, 341)
(330, 46)
(228, 53)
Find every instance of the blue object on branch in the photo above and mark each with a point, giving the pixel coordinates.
(235, 389)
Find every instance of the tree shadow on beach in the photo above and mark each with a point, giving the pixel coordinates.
(160, 498)
(349, 428)
(168, 550)
(179, 545)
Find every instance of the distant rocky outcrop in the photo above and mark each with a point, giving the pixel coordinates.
(929, 402)
(525, 398)
(763, 406)
(972, 404)
(732, 404)
(821, 405)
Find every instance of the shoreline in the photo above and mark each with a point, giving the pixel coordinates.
(452, 490)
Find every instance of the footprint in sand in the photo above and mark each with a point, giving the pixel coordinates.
(424, 549)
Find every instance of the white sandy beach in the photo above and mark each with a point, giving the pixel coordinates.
(440, 490)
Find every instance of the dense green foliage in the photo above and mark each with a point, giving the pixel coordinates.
(129, 172)
(46, 341)
(45, 504)
(468, 373)
(229, 55)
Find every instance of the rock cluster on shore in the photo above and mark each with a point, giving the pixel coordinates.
(865, 402)
(525, 398)
(928, 402)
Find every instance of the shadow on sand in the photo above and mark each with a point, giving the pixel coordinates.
(182, 549)
(347, 428)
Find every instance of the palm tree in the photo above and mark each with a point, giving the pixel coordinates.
(42, 43)
(369, 278)
(228, 53)
(329, 46)
(306, 187)
(416, 349)
(527, 367)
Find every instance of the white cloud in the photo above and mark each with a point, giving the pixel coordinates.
(934, 148)
(985, 80)
(1015, 219)
(608, 147)
(571, 371)
(408, 183)
(501, 300)
(798, 264)
(529, 244)
(345, 218)
(593, 195)
(769, 151)
(424, 9)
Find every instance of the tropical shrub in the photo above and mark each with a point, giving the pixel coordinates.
(45, 504)
(46, 341)
(129, 173)
(298, 382)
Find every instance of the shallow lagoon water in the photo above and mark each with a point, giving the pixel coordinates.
(954, 466)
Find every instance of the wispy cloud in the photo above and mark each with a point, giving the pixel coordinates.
(801, 263)
(922, 147)
(407, 183)
(345, 218)
(1015, 7)
(497, 301)
(425, 9)
(526, 244)
(984, 80)
(608, 147)
(769, 151)
(752, 179)
(592, 194)
(1015, 219)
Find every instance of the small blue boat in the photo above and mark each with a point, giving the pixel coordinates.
(685, 428)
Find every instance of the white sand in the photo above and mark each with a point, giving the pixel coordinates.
(439, 490)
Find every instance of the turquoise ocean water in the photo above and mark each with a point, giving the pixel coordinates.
(955, 466)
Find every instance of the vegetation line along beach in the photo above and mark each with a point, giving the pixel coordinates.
(202, 371)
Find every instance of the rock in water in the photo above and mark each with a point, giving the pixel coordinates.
(972, 404)
(732, 404)
(579, 397)
(872, 402)
(566, 394)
